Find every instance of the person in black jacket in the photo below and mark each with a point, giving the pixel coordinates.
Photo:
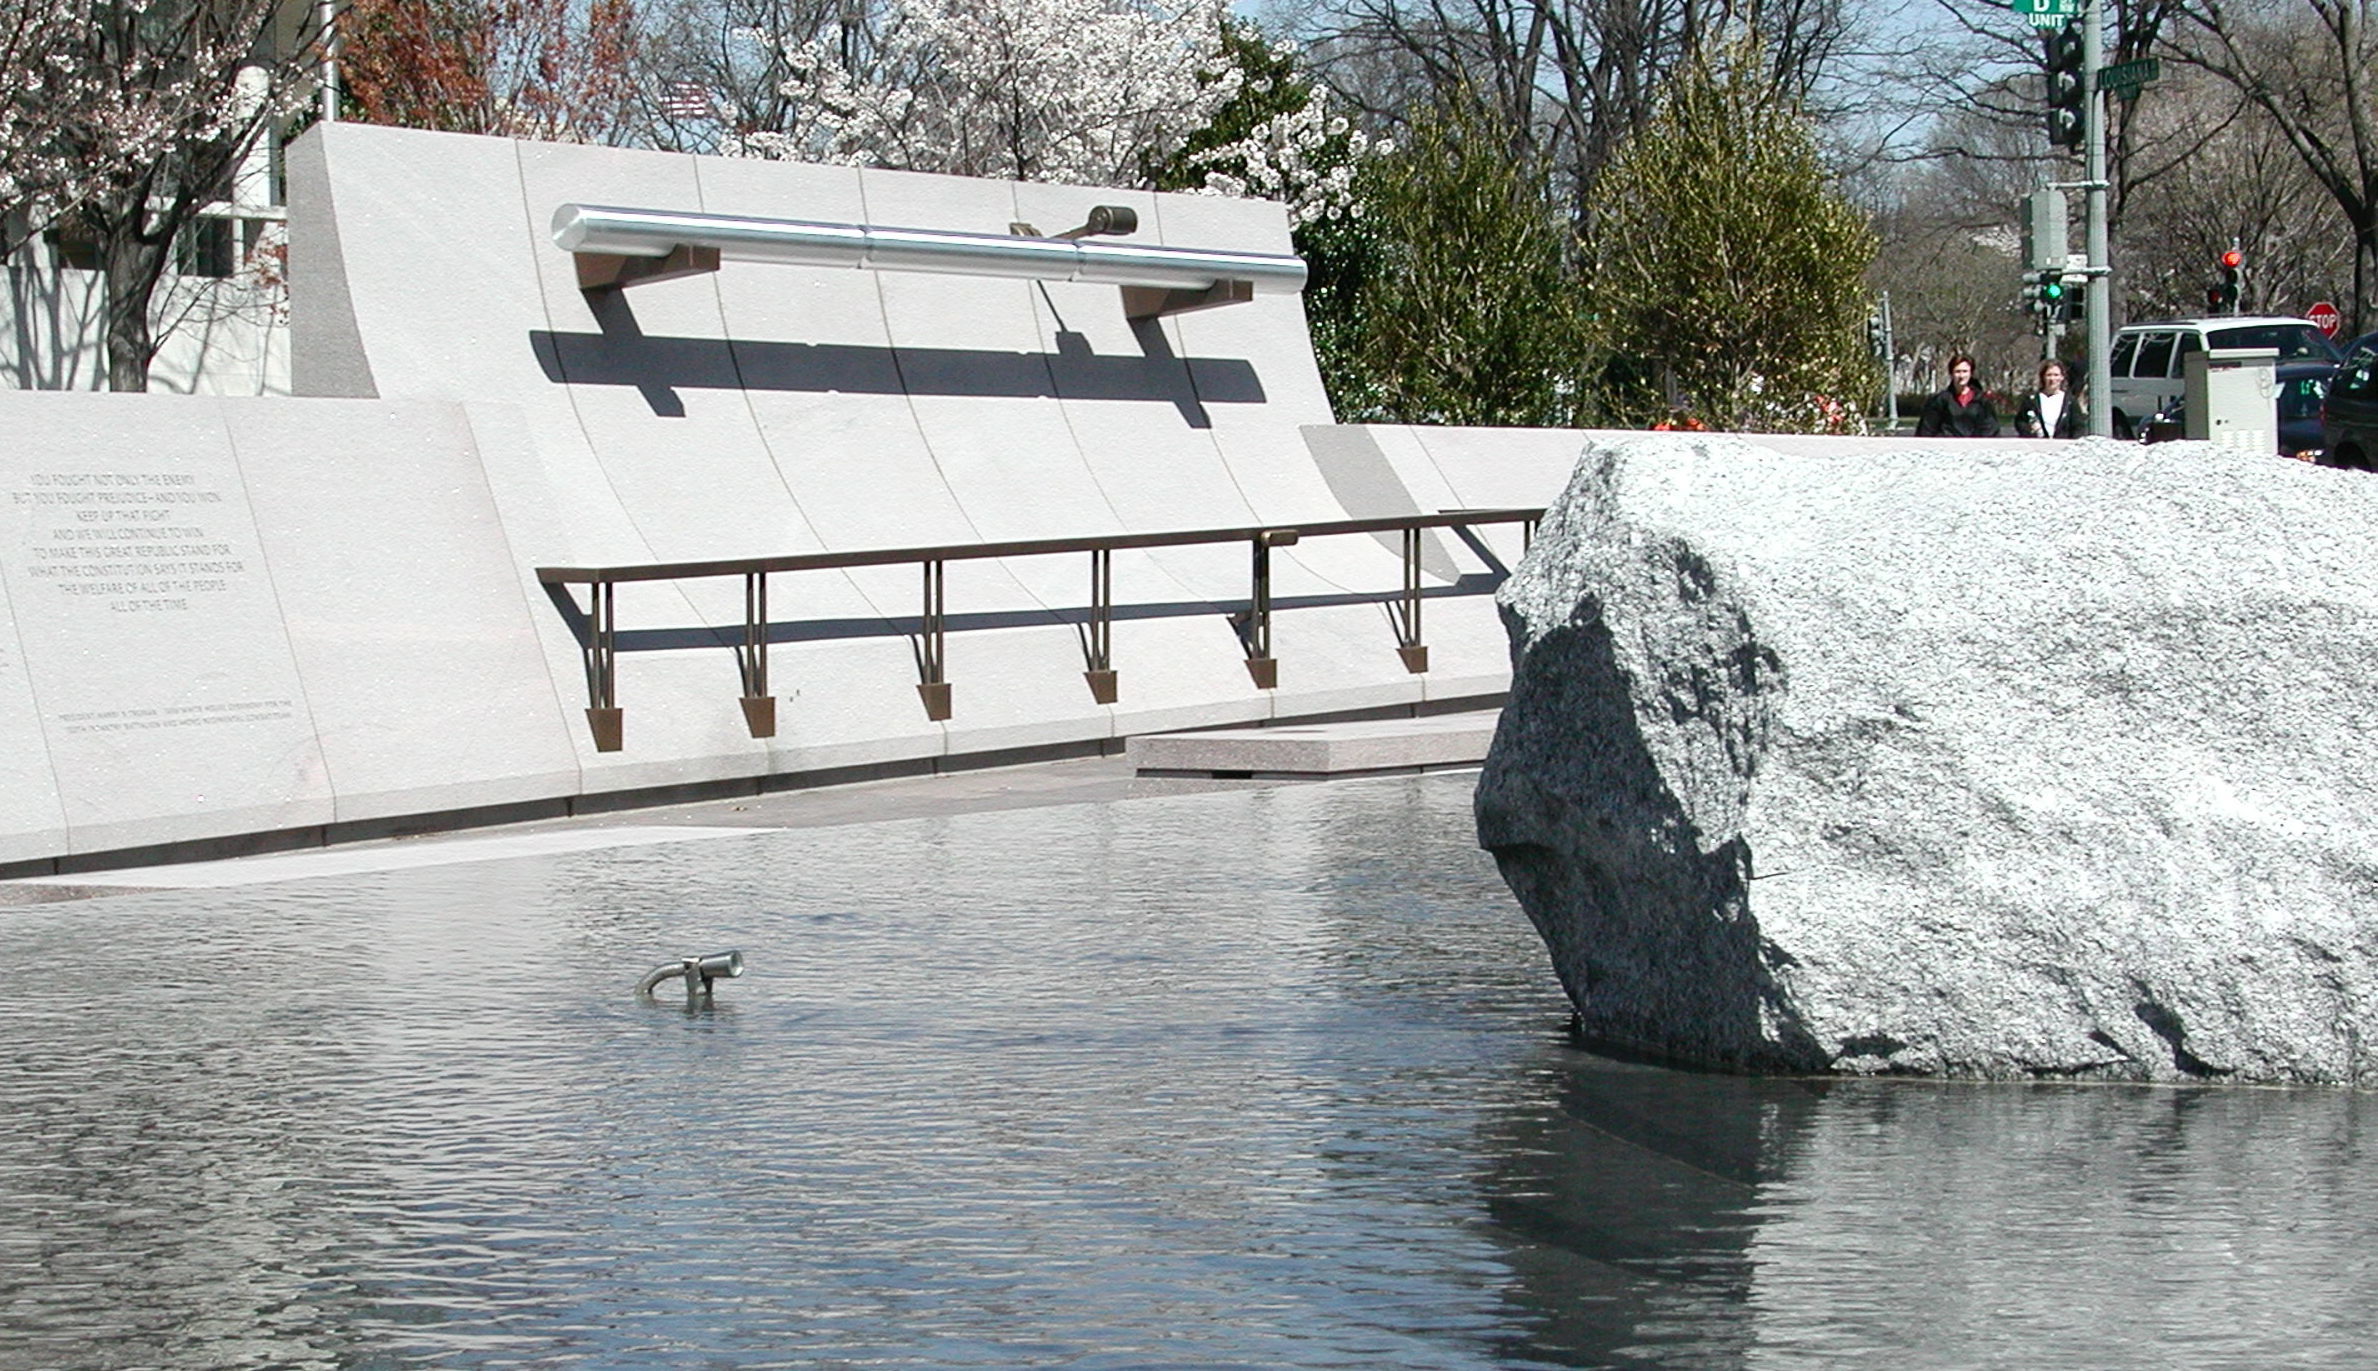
(1962, 410)
(2052, 411)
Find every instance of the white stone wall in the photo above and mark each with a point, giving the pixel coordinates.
(232, 616)
(384, 647)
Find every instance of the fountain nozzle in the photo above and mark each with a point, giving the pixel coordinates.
(698, 972)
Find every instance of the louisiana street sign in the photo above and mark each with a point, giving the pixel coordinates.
(2129, 75)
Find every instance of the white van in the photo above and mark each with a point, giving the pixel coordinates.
(2150, 359)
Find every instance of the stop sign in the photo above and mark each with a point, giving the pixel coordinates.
(2324, 317)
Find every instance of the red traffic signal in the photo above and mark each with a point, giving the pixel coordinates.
(2224, 294)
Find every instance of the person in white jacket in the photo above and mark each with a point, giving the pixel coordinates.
(2052, 411)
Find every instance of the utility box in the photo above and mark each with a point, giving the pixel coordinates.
(2233, 398)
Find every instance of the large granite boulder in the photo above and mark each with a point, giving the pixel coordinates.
(1988, 759)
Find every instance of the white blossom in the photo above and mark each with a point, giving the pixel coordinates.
(83, 117)
(1306, 159)
(1090, 91)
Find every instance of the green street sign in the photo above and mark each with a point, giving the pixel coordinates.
(2048, 14)
(2129, 76)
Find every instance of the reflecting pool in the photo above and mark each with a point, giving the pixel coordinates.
(1264, 1078)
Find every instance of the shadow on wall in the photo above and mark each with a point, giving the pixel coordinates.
(53, 332)
(622, 354)
(215, 336)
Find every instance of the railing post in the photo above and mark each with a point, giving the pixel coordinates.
(602, 666)
(1098, 638)
(932, 643)
(1408, 645)
(759, 706)
(1261, 665)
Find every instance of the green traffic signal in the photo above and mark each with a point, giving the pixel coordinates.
(2051, 291)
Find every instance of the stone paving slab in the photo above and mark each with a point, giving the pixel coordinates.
(1368, 746)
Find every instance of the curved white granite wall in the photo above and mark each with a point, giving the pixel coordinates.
(486, 417)
(782, 409)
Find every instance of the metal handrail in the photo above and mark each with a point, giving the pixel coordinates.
(617, 246)
(800, 242)
(600, 642)
(1027, 547)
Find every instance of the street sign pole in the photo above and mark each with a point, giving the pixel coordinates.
(2101, 279)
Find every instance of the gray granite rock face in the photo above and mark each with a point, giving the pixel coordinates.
(1979, 759)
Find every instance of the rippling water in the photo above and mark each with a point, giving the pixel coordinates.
(1272, 1078)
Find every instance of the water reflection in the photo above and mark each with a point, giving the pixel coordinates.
(1271, 1078)
(1658, 1219)
(1630, 1198)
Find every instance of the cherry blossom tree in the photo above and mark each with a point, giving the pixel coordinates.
(1279, 136)
(39, 174)
(1100, 92)
(1298, 147)
(146, 109)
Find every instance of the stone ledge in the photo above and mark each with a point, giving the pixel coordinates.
(1290, 752)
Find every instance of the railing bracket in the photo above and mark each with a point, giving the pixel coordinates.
(933, 643)
(1407, 609)
(611, 271)
(751, 658)
(1154, 302)
(605, 725)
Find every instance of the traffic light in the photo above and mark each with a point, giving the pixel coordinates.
(2045, 295)
(2068, 88)
(2224, 294)
(2075, 304)
(2051, 301)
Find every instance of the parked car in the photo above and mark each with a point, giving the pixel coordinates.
(2349, 417)
(2302, 388)
(2150, 361)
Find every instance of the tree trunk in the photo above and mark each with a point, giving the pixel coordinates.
(133, 267)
